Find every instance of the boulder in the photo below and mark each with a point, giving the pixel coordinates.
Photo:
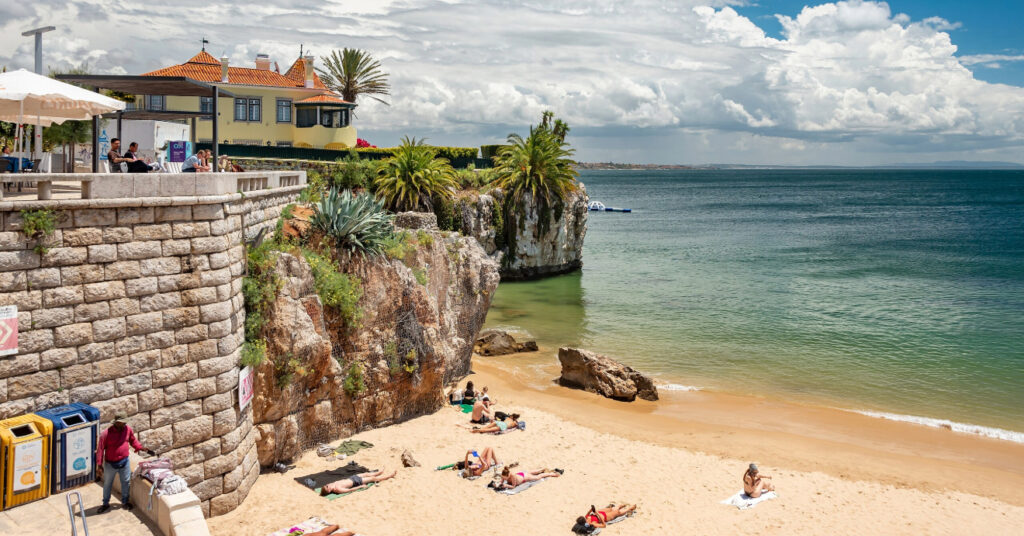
(408, 461)
(416, 220)
(582, 369)
(498, 342)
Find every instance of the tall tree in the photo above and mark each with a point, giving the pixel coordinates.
(353, 72)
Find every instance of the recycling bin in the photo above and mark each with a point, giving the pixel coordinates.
(25, 445)
(75, 429)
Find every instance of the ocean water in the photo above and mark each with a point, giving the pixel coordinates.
(895, 293)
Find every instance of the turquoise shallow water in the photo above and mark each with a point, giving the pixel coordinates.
(892, 291)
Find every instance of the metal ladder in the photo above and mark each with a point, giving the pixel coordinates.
(71, 513)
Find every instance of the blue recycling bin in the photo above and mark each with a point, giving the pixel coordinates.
(75, 432)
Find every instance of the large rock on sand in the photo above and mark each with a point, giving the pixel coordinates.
(498, 342)
(583, 369)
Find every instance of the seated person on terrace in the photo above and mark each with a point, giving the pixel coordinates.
(114, 158)
(195, 163)
(6, 160)
(485, 460)
(355, 482)
(136, 164)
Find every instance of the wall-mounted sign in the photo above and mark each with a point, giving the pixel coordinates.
(178, 151)
(8, 330)
(245, 387)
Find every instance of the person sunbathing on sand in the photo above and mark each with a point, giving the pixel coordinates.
(498, 426)
(754, 483)
(486, 459)
(329, 531)
(511, 480)
(601, 518)
(355, 482)
(481, 412)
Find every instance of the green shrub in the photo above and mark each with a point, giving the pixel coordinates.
(414, 178)
(490, 151)
(353, 172)
(357, 223)
(421, 275)
(341, 292)
(254, 353)
(397, 245)
(498, 223)
(286, 368)
(409, 362)
(448, 153)
(424, 238)
(316, 185)
(354, 383)
(447, 217)
(37, 225)
(259, 287)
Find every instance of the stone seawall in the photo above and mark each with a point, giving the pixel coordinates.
(136, 308)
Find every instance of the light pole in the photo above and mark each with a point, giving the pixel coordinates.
(37, 134)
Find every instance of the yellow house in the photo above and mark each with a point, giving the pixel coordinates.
(294, 109)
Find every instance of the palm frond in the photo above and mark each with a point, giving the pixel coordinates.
(353, 72)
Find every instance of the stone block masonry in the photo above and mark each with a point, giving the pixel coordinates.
(136, 308)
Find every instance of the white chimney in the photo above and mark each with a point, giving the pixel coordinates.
(307, 64)
(263, 62)
(224, 69)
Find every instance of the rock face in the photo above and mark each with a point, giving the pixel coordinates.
(544, 243)
(603, 375)
(429, 328)
(498, 342)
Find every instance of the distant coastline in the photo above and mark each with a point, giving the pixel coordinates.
(944, 165)
(617, 166)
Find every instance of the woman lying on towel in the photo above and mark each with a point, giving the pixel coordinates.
(329, 531)
(355, 482)
(601, 518)
(754, 483)
(485, 460)
(511, 480)
(498, 426)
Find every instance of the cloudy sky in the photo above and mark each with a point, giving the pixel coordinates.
(680, 81)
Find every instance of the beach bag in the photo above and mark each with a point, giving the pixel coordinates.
(155, 471)
(500, 415)
(582, 529)
(172, 485)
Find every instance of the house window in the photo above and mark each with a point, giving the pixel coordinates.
(284, 110)
(305, 117)
(206, 105)
(240, 109)
(155, 102)
(255, 106)
(325, 118)
(345, 119)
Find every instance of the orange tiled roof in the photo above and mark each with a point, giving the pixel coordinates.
(324, 98)
(206, 68)
(295, 73)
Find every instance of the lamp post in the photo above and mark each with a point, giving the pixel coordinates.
(37, 134)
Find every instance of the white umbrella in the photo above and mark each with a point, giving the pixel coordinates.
(23, 93)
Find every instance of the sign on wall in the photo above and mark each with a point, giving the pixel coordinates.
(78, 452)
(245, 387)
(178, 151)
(8, 330)
(28, 465)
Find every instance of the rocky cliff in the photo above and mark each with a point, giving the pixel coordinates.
(533, 242)
(420, 316)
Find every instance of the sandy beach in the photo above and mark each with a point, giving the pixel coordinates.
(836, 472)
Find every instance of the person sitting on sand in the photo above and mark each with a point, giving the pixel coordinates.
(485, 460)
(754, 483)
(498, 426)
(484, 396)
(355, 482)
(601, 518)
(481, 412)
(511, 480)
(469, 396)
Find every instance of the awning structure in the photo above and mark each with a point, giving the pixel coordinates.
(177, 86)
(158, 115)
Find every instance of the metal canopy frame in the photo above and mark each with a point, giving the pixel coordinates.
(177, 86)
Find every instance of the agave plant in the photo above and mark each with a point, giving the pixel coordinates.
(414, 178)
(540, 165)
(357, 223)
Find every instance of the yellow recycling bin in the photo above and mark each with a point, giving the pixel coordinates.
(25, 444)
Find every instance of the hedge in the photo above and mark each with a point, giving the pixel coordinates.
(453, 154)
(490, 151)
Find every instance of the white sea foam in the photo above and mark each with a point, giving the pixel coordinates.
(677, 387)
(995, 433)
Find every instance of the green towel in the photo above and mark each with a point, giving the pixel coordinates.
(332, 496)
(352, 446)
(467, 408)
(443, 467)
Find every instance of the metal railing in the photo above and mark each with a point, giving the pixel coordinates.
(81, 511)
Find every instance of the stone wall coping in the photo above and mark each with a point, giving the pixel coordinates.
(73, 204)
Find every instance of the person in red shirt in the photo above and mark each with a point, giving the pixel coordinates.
(112, 459)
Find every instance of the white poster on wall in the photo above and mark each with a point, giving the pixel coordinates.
(77, 452)
(28, 465)
(245, 387)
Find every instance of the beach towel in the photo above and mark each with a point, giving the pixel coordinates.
(318, 480)
(520, 488)
(743, 501)
(352, 446)
(521, 426)
(466, 408)
(308, 526)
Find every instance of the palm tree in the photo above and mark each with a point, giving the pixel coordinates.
(541, 165)
(414, 178)
(354, 72)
